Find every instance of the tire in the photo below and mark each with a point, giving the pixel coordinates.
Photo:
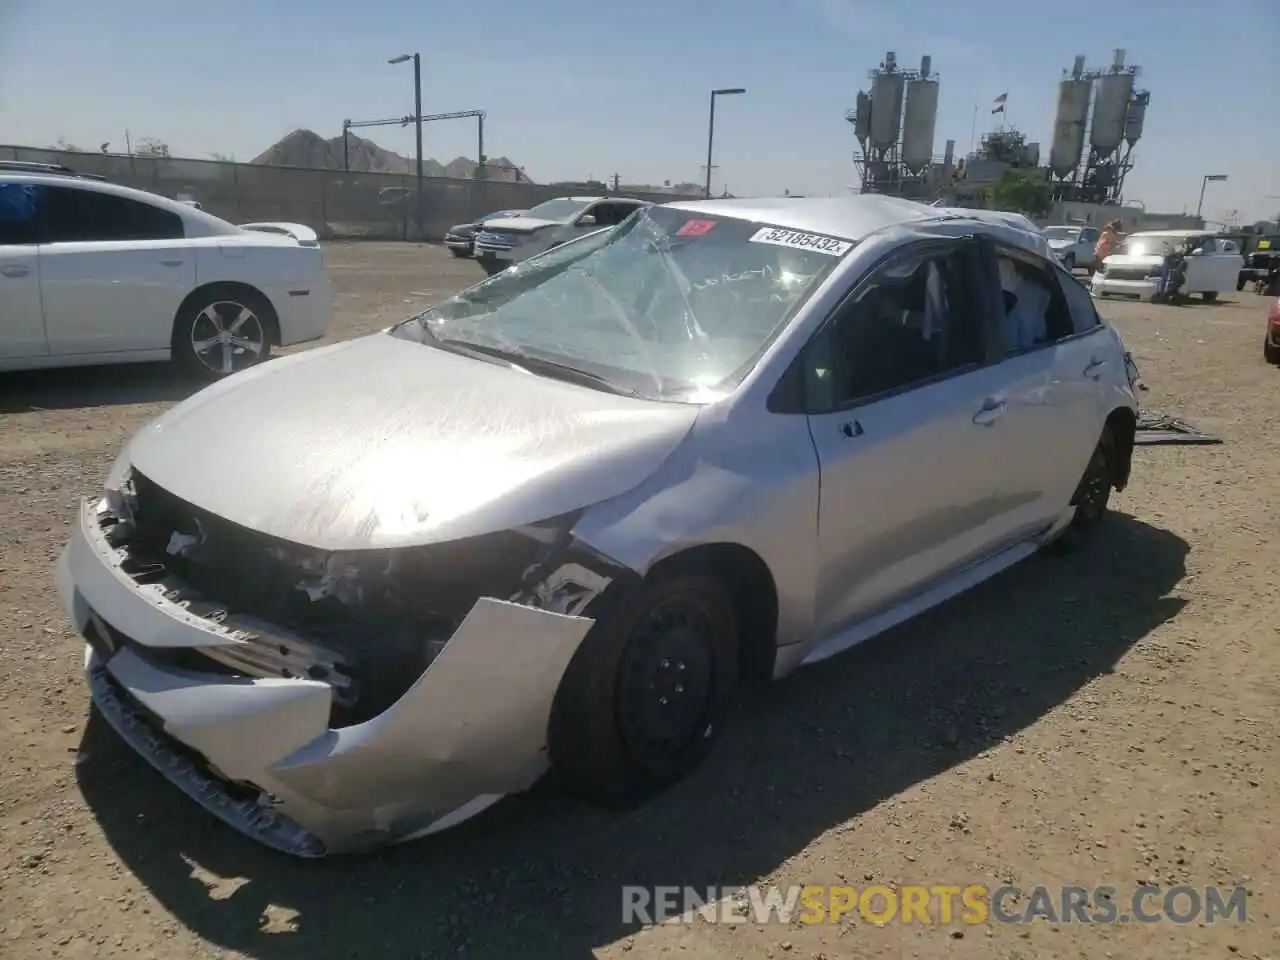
(1210, 296)
(1271, 352)
(1092, 496)
(460, 254)
(492, 267)
(1240, 282)
(613, 738)
(215, 312)
(1069, 262)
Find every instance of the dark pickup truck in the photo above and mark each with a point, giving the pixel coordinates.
(1261, 263)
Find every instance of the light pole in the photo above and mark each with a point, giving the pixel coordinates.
(1208, 179)
(711, 126)
(417, 121)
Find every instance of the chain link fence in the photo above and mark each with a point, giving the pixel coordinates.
(336, 204)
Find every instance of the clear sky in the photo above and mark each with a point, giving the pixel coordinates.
(575, 88)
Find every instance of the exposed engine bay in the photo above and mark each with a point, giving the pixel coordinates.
(367, 623)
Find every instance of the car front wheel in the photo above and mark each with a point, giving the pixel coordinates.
(1069, 262)
(647, 695)
(1210, 296)
(222, 331)
(1271, 352)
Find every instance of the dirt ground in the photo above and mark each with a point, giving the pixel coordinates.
(1108, 717)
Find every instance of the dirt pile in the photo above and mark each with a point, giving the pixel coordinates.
(306, 148)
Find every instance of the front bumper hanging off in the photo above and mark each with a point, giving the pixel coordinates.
(259, 752)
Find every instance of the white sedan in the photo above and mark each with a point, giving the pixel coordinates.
(96, 273)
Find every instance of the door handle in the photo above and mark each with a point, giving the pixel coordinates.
(851, 429)
(1094, 370)
(171, 263)
(991, 411)
(15, 270)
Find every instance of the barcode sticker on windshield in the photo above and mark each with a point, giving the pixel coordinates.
(797, 240)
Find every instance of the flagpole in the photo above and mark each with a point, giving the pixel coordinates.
(973, 129)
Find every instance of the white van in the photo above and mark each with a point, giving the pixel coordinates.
(1135, 270)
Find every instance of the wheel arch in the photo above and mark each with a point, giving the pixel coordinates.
(752, 591)
(1122, 424)
(231, 287)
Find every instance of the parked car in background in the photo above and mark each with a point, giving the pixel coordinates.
(460, 238)
(1261, 260)
(1138, 268)
(500, 243)
(1271, 341)
(1072, 244)
(95, 273)
(553, 520)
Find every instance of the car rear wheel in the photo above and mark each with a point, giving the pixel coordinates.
(1271, 352)
(1210, 296)
(222, 331)
(1093, 493)
(646, 696)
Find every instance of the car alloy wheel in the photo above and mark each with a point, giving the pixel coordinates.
(227, 336)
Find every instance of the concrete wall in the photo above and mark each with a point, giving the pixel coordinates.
(336, 204)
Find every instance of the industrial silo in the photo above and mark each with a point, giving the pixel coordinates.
(919, 119)
(1135, 118)
(1110, 108)
(862, 118)
(886, 104)
(1068, 126)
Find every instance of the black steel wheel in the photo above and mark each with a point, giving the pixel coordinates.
(1093, 494)
(1271, 352)
(648, 692)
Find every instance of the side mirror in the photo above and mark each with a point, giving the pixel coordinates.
(587, 220)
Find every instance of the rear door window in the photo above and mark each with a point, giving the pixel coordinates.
(68, 215)
(19, 211)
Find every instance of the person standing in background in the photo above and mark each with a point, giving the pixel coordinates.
(1108, 240)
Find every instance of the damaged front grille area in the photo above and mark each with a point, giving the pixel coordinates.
(367, 623)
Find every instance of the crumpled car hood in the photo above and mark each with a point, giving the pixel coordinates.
(383, 442)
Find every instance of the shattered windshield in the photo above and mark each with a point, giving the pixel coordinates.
(670, 305)
(561, 208)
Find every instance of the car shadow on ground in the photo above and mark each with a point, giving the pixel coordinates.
(105, 386)
(541, 875)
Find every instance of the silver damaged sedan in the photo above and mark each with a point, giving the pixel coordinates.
(358, 594)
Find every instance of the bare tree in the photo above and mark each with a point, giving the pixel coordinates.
(222, 157)
(62, 144)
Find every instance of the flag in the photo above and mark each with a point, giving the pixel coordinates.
(1000, 103)
(999, 109)
(1002, 98)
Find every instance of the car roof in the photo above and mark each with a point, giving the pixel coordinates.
(1169, 233)
(184, 210)
(857, 217)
